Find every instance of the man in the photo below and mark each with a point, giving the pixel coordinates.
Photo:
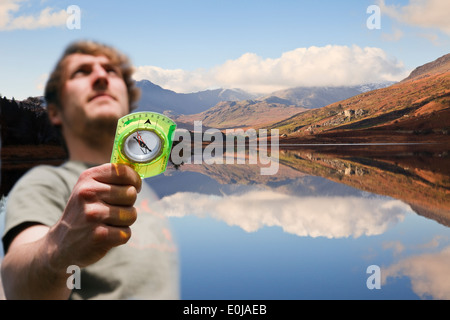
(87, 213)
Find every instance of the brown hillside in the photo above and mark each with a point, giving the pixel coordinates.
(419, 106)
(440, 65)
(238, 114)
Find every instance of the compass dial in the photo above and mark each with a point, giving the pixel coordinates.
(142, 146)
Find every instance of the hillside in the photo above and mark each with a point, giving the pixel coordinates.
(417, 108)
(440, 65)
(236, 114)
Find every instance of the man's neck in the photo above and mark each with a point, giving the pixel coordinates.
(90, 153)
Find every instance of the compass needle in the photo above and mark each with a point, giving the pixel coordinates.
(142, 143)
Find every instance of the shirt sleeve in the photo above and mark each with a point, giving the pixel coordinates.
(40, 196)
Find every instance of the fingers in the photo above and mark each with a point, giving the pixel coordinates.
(117, 216)
(105, 183)
(111, 236)
(115, 174)
(114, 224)
(117, 195)
(108, 193)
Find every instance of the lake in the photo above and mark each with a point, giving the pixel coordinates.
(334, 222)
(318, 229)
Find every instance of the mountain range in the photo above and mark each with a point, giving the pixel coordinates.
(228, 108)
(155, 98)
(419, 104)
(414, 109)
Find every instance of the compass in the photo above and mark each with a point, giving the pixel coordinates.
(142, 146)
(144, 140)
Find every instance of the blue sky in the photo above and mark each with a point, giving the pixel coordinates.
(258, 46)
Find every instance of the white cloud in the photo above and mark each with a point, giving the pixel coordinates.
(330, 65)
(331, 217)
(421, 13)
(428, 273)
(47, 17)
(177, 79)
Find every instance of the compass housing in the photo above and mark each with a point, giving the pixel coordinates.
(143, 145)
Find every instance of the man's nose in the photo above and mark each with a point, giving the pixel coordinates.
(100, 77)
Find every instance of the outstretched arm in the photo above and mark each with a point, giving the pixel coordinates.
(27, 271)
(97, 218)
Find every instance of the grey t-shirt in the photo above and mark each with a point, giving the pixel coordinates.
(146, 267)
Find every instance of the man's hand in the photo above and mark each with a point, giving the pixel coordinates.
(97, 216)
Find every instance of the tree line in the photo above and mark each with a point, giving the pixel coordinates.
(26, 123)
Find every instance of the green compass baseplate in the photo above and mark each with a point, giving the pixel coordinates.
(144, 141)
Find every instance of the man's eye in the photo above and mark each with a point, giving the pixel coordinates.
(80, 72)
(112, 70)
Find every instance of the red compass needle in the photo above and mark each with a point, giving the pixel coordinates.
(141, 142)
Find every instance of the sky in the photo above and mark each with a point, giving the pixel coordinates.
(255, 45)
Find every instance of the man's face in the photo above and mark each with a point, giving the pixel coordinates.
(94, 94)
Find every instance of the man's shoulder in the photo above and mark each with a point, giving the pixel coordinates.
(39, 196)
(51, 176)
(69, 168)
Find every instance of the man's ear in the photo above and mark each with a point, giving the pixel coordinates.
(54, 114)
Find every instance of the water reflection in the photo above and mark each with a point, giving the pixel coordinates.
(312, 230)
(330, 217)
(418, 175)
(428, 273)
(420, 178)
(347, 208)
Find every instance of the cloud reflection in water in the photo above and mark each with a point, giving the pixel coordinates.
(313, 216)
(428, 273)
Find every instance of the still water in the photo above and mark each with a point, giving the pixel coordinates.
(313, 230)
(367, 222)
